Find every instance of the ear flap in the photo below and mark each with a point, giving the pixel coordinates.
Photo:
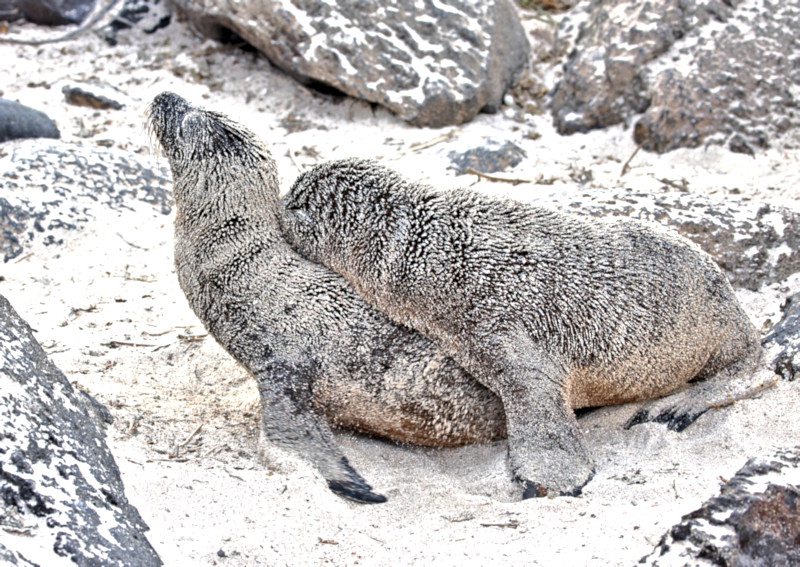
(191, 126)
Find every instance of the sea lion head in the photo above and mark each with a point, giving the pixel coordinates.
(331, 206)
(191, 135)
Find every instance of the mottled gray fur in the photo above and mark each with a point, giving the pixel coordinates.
(318, 352)
(552, 312)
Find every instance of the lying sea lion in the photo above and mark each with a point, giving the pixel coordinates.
(319, 353)
(552, 312)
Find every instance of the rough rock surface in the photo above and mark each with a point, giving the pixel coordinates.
(62, 495)
(147, 15)
(433, 63)
(18, 121)
(490, 157)
(9, 11)
(785, 337)
(90, 97)
(55, 12)
(701, 71)
(54, 187)
(754, 521)
(754, 244)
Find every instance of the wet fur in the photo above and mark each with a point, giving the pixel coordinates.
(319, 353)
(552, 312)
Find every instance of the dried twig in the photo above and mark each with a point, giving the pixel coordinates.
(682, 186)
(749, 393)
(511, 524)
(131, 243)
(490, 177)
(76, 311)
(294, 163)
(464, 517)
(215, 450)
(177, 450)
(422, 145)
(626, 165)
(117, 344)
(161, 334)
(192, 338)
(233, 475)
(429, 143)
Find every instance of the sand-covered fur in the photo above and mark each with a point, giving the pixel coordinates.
(552, 312)
(319, 353)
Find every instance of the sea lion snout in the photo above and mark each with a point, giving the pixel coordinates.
(165, 115)
(169, 103)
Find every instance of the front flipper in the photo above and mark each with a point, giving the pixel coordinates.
(546, 451)
(355, 488)
(289, 421)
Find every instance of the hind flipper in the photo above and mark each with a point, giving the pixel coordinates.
(288, 420)
(722, 386)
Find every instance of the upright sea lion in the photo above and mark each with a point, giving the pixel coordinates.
(318, 352)
(552, 312)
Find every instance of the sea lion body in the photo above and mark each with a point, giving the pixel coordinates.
(552, 312)
(319, 353)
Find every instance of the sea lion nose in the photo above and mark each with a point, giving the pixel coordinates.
(169, 101)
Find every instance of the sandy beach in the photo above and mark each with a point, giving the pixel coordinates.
(107, 308)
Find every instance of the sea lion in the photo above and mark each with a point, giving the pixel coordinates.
(552, 312)
(319, 353)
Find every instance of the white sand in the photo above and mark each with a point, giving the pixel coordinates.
(446, 507)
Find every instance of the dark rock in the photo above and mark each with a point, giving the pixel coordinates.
(602, 83)
(147, 15)
(736, 89)
(432, 63)
(18, 121)
(82, 97)
(754, 244)
(785, 337)
(489, 158)
(735, 64)
(52, 188)
(547, 4)
(754, 521)
(55, 12)
(62, 495)
(10, 12)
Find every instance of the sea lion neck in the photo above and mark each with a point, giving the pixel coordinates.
(248, 192)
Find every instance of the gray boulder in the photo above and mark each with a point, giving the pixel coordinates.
(754, 244)
(491, 156)
(701, 71)
(55, 12)
(146, 15)
(9, 11)
(18, 121)
(785, 339)
(62, 495)
(433, 63)
(755, 521)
